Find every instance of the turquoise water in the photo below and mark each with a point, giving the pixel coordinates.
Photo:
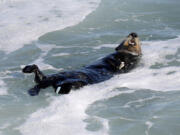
(68, 34)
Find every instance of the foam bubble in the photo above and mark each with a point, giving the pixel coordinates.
(23, 21)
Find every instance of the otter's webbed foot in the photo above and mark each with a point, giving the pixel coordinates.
(29, 68)
(34, 91)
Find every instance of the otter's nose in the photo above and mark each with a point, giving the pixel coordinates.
(134, 35)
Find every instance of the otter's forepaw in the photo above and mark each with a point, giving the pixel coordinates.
(34, 91)
(29, 68)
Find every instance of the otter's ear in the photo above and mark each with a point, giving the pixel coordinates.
(120, 47)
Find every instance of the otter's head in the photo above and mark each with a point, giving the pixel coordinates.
(131, 44)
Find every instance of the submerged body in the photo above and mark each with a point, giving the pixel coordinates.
(123, 60)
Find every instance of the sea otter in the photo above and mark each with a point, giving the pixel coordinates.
(124, 59)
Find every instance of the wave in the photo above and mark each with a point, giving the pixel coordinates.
(67, 114)
(23, 21)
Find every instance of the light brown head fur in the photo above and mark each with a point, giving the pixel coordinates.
(131, 44)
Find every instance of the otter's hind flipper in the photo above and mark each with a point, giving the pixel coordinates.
(65, 87)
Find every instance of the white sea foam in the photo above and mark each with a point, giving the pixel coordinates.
(3, 89)
(23, 21)
(60, 54)
(40, 61)
(105, 46)
(121, 20)
(66, 114)
(149, 125)
(128, 104)
(45, 50)
(145, 77)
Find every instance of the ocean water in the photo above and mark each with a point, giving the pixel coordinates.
(68, 34)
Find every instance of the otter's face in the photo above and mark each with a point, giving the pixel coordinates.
(131, 43)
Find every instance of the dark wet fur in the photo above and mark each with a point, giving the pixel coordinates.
(100, 71)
